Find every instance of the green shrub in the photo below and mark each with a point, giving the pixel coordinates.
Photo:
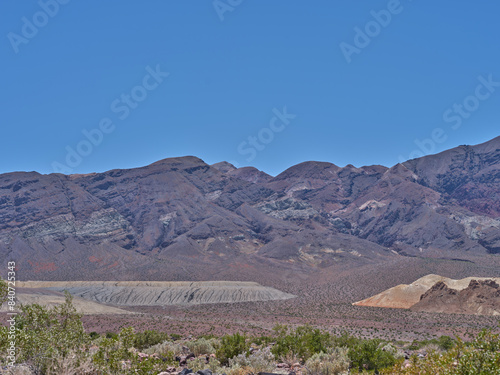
(446, 342)
(479, 357)
(230, 346)
(201, 346)
(149, 338)
(302, 342)
(262, 340)
(166, 349)
(46, 335)
(111, 335)
(370, 355)
(4, 291)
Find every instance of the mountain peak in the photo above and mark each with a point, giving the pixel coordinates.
(224, 167)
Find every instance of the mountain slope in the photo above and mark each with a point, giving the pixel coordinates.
(182, 219)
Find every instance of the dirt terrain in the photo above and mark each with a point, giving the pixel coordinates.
(323, 300)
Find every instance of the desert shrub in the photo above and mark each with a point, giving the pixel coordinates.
(118, 356)
(370, 355)
(237, 370)
(259, 361)
(345, 340)
(303, 342)
(200, 363)
(167, 349)
(4, 290)
(201, 346)
(442, 343)
(113, 350)
(336, 361)
(230, 346)
(111, 335)
(46, 336)
(390, 348)
(446, 342)
(94, 335)
(262, 340)
(479, 357)
(149, 338)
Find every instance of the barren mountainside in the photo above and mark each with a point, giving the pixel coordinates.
(182, 219)
(481, 297)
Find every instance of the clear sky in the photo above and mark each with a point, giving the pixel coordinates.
(84, 84)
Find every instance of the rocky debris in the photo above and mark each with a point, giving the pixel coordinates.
(183, 360)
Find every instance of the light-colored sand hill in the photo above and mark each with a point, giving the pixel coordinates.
(158, 293)
(405, 296)
(45, 298)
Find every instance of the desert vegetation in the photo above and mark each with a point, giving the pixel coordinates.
(53, 340)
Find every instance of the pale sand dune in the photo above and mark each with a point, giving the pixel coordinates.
(405, 296)
(82, 306)
(159, 293)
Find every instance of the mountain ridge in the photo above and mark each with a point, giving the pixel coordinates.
(181, 213)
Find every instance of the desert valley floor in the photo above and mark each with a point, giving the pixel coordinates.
(322, 300)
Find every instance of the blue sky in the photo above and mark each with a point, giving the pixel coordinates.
(359, 82)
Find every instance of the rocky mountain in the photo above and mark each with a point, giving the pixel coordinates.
(182, 219)
(481, 297)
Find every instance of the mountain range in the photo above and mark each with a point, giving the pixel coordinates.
(182, 219)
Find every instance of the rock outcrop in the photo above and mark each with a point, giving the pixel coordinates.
(481, 297)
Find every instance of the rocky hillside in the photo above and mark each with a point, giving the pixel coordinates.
(182, 219)
(481, 297)
(434, 293)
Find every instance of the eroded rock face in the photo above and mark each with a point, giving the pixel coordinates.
(181, 214)
(481, 297)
